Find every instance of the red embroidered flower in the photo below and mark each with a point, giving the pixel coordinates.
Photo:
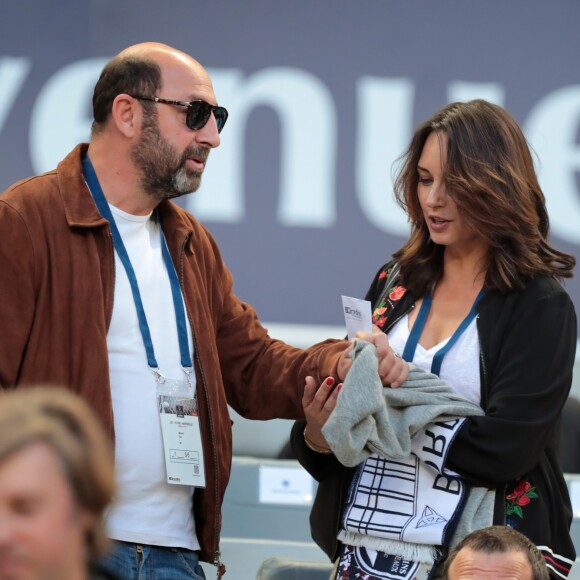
(379, 311)
(521, 488)
(382, 275)
(380, 321)
(397, 293)
(522, 495)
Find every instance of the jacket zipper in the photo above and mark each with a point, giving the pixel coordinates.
(218, 564)
(483, 370)
(217, 554)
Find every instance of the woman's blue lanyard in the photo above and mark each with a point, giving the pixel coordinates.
(415, 334)
(103, 206)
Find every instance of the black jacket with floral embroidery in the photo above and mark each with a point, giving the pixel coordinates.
(527, 350)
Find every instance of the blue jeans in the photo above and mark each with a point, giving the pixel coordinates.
(129, 561)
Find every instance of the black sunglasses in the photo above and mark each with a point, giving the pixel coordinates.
(198, 112)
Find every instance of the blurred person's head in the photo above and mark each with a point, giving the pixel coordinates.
(495, 553)
(56, 479)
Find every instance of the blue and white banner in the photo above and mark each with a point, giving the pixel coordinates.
(323, 97)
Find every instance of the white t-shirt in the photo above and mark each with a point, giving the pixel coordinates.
(460, 366)
(146, 510)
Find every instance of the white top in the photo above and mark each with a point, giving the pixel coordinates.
(147, 510)
(460, 367)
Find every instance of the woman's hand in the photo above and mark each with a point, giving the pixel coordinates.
(318, 404)
(393, 370)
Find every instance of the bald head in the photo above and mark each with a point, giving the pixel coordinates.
(155, 122)
(143, 69)
(156, 51)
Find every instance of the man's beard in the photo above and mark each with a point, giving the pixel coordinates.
(164, 173)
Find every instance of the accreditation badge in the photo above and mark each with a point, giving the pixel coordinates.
(177, 404)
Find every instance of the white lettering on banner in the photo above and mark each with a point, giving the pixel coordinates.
(384, 125)
(447, 484)
(13, 73)
(438, 443)
(552, 128)
(61, 117)
(62, 114)
(307, 116)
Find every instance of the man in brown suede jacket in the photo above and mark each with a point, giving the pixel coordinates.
(70, 314)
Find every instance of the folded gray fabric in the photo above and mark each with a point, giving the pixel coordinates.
(370, 418)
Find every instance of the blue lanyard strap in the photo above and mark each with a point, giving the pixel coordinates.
(177, 305)
(415, 334)
(416, 331)
(105, 210)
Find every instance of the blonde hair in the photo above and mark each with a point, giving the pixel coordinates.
(66, 423)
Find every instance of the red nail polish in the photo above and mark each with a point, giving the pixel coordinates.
(330, 381)
(339, 387)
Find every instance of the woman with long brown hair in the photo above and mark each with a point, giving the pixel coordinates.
(473, 297)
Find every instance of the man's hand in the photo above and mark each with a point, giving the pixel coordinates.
(393, 370)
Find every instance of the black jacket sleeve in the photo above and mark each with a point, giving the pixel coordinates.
(528, 346)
